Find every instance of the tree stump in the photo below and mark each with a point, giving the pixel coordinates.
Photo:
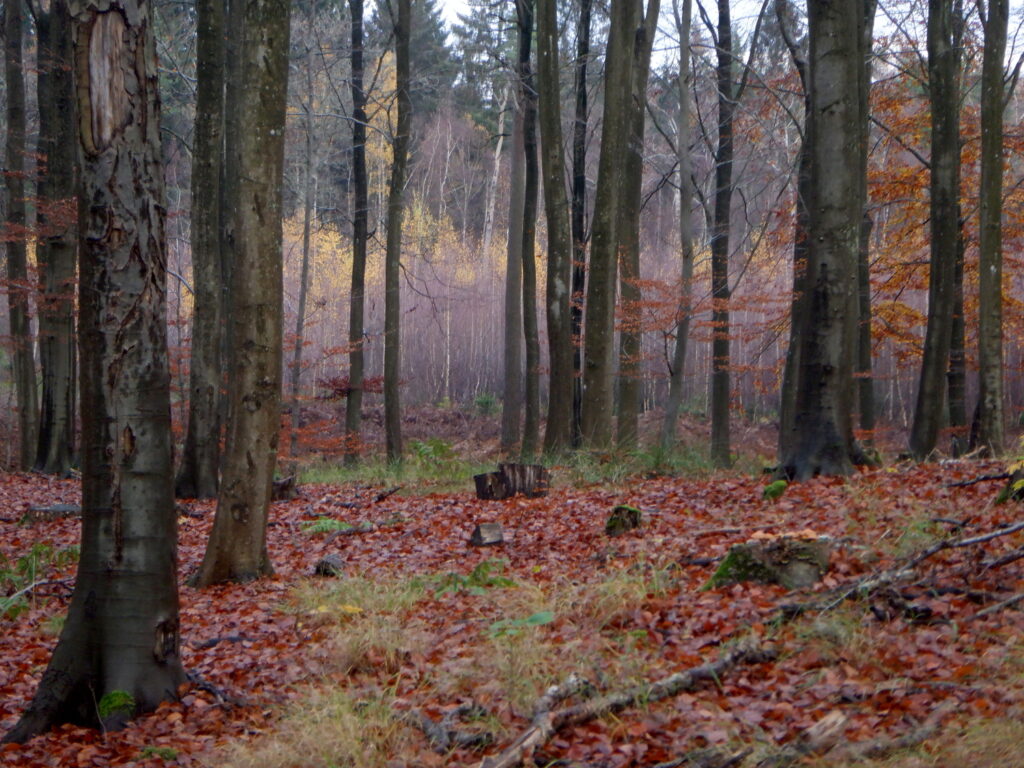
(792, 560)
(531, 480)
(285, 489)
(622, 519)
(329, 565)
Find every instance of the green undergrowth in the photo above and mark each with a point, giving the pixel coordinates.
(430, 466)
(17, 577)
(443, 638)
(433, 466)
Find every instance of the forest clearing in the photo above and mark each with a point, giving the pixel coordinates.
(306, 670)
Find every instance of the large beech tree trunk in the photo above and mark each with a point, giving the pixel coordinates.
(558, 432)
(990, 269)
(600, 309)
(393, 257)
(823, 442)
(57, 243)
(237, 549)
(121, 632)
(357, 299)
(943, 215)
(686, 197)
(17, 259)
(200, 461)
(628, 235)
(579, 216)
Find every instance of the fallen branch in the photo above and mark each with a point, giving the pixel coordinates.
(1009, 557)
(823, 737)
(1007, 603)
(443, 736)
(976, 480)
(223, 698)
(546, 723)
(735, 529)
(882, 747)
(385, 494)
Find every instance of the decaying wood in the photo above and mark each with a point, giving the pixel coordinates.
(1007, 603)
(546, 723)
(531, 480)
(976, 480)
(285, 489)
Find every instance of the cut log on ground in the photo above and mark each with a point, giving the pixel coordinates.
(531, 480)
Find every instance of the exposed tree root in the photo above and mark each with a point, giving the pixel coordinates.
(546, 722)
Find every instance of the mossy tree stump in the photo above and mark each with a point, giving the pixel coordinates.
(794, 561)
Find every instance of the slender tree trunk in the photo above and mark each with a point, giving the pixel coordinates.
(956, 377)
(393, 257)
(528, 95)
(865, 381)
(19, 310)
(628, 235)
(990, 270)
(558, 433)
(823, 443)
(512, 393)
(492, 184)
(57, 241)
(237, 549)
(720, 387)
(199, 473)
(122, 631)
(789, 433)
(308, 213)
(945, 193)
(686, 198)
(600, 309)
(357, 301)
(579, 216)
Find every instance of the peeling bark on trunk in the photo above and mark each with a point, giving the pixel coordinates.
(357, 300)
(198, 475)
(17, 286)
(237, 549)
(57, 243)
(558, 432)
(122, 629)
(393, 257)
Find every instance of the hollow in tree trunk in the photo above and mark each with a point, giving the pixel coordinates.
(122, 631)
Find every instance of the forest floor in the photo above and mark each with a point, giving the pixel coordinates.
(424, 632)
